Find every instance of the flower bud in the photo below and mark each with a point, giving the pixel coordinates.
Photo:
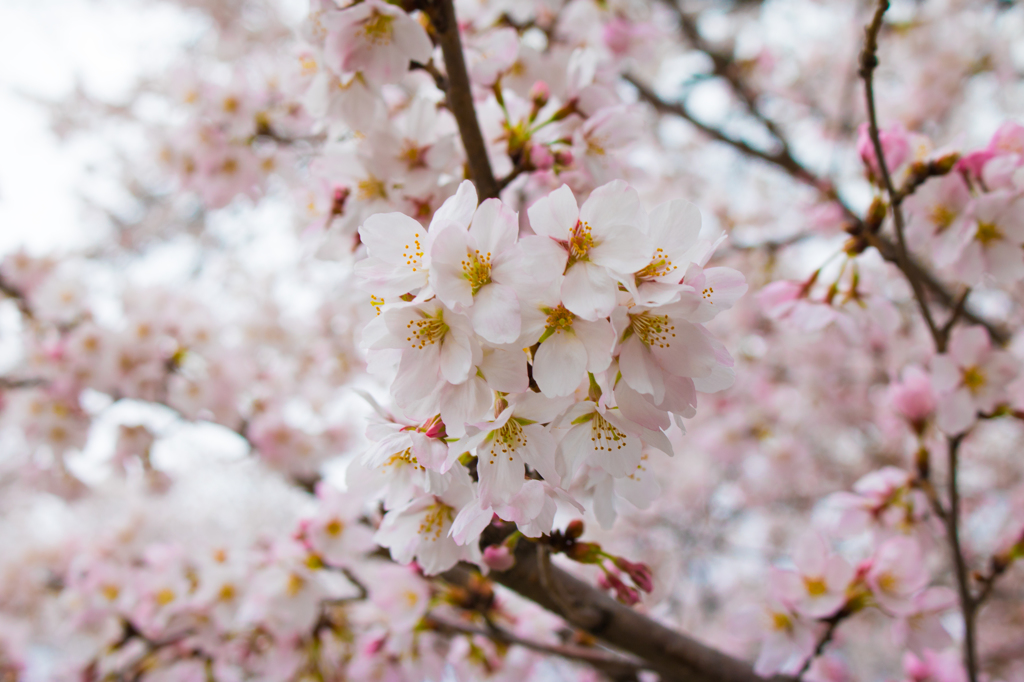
(584, 552)
(575, 529)
(540, 93)
(540, 157)
(623, 592)
(498, 557)
(639, 573)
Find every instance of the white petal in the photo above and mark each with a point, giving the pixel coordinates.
(449, 250)
(560, 364)
(589, 291)
(495, 313)
(623, 249)
(555, 215)
(456, 210)
(495, 227)
(615, 203)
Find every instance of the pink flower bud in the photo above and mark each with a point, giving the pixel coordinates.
(639, 573)
(540, 93)
(498, 557)
(564, 157)
(913, 397)
(623, 592)
(540, 157)
(895, 148)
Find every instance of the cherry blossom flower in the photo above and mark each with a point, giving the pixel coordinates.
(601, 238)
(970, 377)
(376, 39)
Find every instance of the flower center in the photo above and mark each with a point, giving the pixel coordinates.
(378, 28)
(426, 332)
(559, 318)
(413, 254)
(654, 330)
(414, 156)
(888, 583)
(988, 233)
(942, 217)
(815, 586)
(507, 440)
(659, 266)
(403, 458)
(434, 520)
(371, 188)
(605, 436)
(781, 621)
(476, 268)
(973, 378)
(580, 241)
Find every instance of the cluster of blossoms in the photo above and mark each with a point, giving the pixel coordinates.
(304, 595)
(165, 347)
(543, 364)
(539, 350)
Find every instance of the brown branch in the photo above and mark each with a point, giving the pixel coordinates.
(439, 79)
(10, 291)
(785, 161)
(613, 665)
(12, 383)
(868, 64)
(460, 96)
(725, 67)
(967, 603)
(824, 640)
(673, 655)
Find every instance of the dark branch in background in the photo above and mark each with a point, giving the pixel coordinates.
(10, 291)
(460, 96)
(784, 160)
(824, 640)
(614, 666)
(725, 67)
(673, 655)
(439, 79)
(967, 603)
(868, 63)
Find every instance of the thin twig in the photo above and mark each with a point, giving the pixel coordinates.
(868, 64)
(785, 161)
(724, 66)
(548, 583)
(439, 79)
(576, 653)
(823, 641)
(967, 603)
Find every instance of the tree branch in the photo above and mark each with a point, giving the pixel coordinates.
(460, 96)
(612, 665)
(868, 64)
(671, 654)
(967, 603)
(783, 160)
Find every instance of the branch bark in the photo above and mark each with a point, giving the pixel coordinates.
(784, 161)
(614, 666)
(460, 96)
(673, 655)
(868, 64)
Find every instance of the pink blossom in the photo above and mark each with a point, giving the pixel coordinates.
(913, 397)
(376, 39)
(970, 377)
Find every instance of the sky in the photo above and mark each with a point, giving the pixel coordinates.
(46, 46)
